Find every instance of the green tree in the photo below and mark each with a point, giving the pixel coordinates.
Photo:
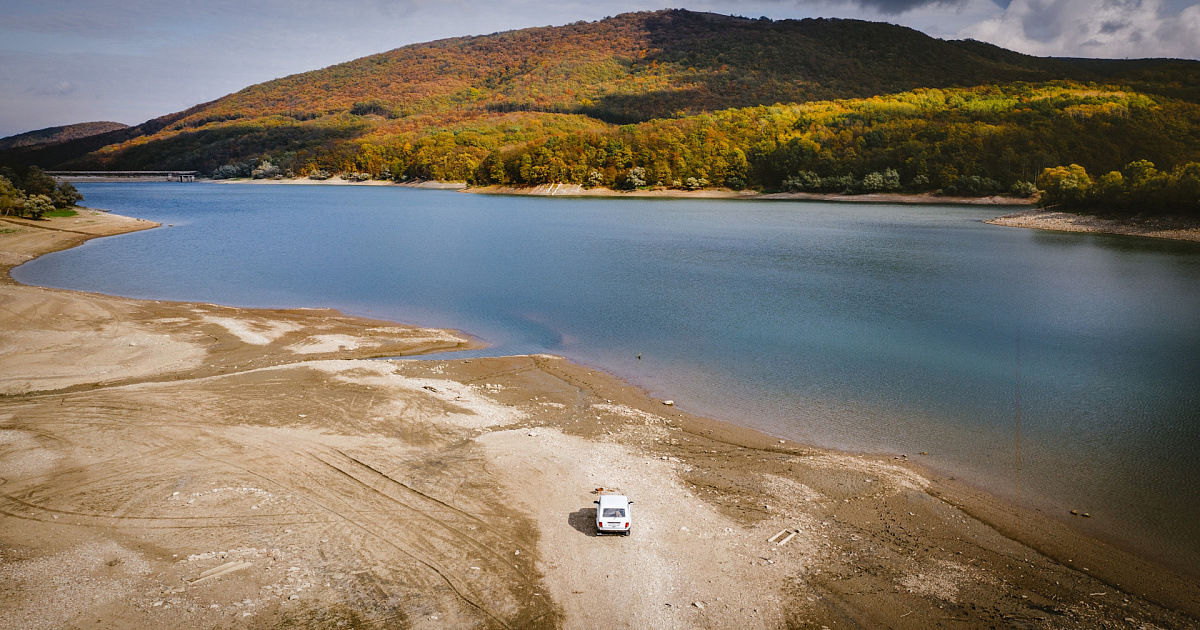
(12, 200)
(65, 195)
(37, 182)
(891, 179)
(1185, 189)
(1109, 190)
(1064, 185)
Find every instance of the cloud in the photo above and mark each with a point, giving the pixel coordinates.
(896, 7)
(1091, 28)
(62, 88)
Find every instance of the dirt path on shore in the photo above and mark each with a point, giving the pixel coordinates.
(183, 465)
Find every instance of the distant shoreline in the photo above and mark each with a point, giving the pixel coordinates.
(575, 190)
(1034, 218)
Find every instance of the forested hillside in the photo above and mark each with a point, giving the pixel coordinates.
(55, 135)
(677, 98)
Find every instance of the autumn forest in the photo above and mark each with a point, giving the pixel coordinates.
(692, 100)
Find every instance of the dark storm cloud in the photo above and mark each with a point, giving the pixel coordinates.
(1112, 27)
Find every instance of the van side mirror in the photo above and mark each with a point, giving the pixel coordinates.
(596, 502)
(631, 503)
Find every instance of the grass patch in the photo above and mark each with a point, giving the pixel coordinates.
(63, 212)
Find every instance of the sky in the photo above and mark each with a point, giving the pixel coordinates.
(69, 61)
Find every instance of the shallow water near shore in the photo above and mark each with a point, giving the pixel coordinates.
(878, 328)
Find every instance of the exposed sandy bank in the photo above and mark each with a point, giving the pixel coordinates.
(575, 190)
(241, 468)
(1067, 222)
(338, 181)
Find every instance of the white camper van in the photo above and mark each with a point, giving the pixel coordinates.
(612, 514)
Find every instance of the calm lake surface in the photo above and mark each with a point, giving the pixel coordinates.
(876, 328)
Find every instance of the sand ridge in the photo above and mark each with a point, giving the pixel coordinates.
(251, 468)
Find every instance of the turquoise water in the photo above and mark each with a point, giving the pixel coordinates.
(877, 328)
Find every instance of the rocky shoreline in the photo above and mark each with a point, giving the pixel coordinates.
(1152, 227)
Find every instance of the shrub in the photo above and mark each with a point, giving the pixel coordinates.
(594, 179)
(873, 182)
(974, 186)
(839, 183)
(319, 175)
(803, 181)
(634, 178)
(37, 205)
(1023, 189)
(233, 171)
(265, 170)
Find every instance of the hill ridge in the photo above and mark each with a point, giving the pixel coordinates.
(685, 97)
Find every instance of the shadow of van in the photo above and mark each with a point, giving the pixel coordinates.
(584, 521)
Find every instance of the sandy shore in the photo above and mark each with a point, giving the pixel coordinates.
(1068, 222)
(338, 181)
(575, 190)
(183, 465)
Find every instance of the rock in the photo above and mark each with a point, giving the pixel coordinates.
(1075, 512)
(669, 403)
(782, 441)
(1086, 515)
(699, 605)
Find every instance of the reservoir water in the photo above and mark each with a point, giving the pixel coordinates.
(873, 328)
